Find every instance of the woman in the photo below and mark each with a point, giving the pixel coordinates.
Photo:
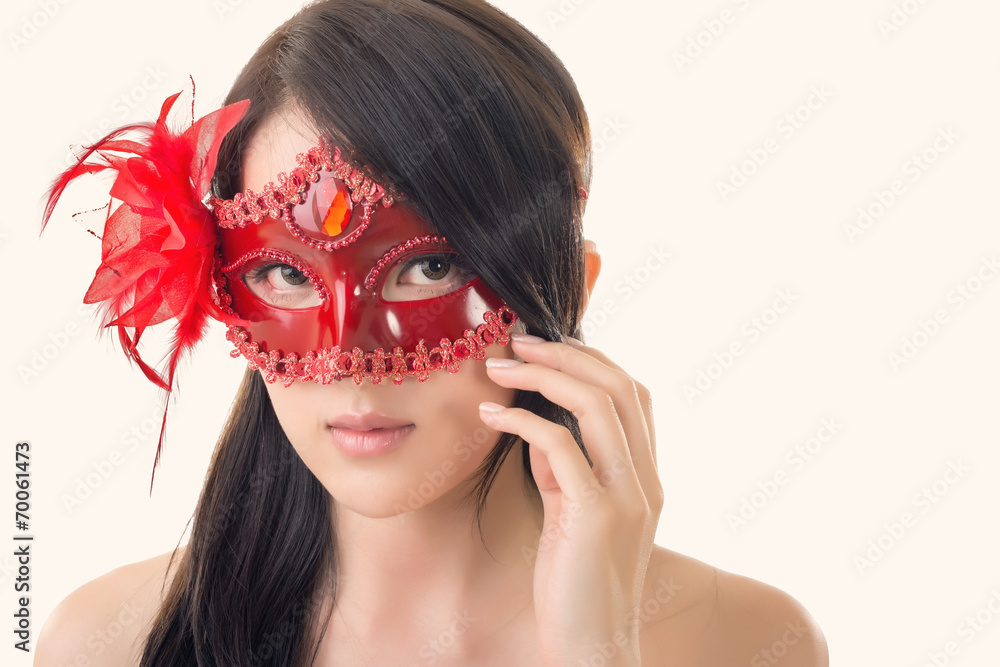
(408, 302)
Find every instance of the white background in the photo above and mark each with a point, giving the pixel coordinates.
(670, 133)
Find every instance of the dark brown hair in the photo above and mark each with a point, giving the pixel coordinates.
(480, 125)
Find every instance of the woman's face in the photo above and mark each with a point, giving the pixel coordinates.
(386, 449)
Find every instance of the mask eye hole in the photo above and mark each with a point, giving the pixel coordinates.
(425, 275)
(279, 279)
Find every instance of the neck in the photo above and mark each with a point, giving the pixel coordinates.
(434, 559)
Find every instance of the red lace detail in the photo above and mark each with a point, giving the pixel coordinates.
(284, 258)
(394, 252)
(277, 200)
(334, 363)
(329, 246)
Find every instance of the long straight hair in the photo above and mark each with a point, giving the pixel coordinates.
(480, 125)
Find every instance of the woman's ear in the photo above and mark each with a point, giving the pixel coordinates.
(592, 269)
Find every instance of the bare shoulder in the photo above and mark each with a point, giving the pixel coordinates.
(695, 615)
(105, 621)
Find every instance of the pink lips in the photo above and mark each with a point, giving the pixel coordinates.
(368, 435)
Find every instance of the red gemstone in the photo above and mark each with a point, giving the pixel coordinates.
(345, 362)
(338, 214)
(326, 210)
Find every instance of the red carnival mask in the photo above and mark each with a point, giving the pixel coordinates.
(325, 274)
(337, 276)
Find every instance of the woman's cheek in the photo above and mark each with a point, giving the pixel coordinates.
(293, 413)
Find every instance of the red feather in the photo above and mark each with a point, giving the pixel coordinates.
(159, 244)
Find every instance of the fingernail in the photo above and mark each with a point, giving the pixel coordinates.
(501, 362)
(526, 338)
(572, 341)
(492, 408)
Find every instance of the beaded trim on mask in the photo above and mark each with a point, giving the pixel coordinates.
(334, 363)
(277, 201)
(284, 258)
(390, 256)
(341, 242)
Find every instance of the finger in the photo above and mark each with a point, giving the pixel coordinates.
(593, 367)
(642, 394)
(569, 466)
(646, 404)
(632, 400)
(593, 407)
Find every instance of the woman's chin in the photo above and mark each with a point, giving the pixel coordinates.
(403, 503)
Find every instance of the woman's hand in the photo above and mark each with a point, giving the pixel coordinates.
(599, 522)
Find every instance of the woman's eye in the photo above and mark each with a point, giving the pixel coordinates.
(435, 269)
(289, 275)
(425, 277)
(282, 285)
